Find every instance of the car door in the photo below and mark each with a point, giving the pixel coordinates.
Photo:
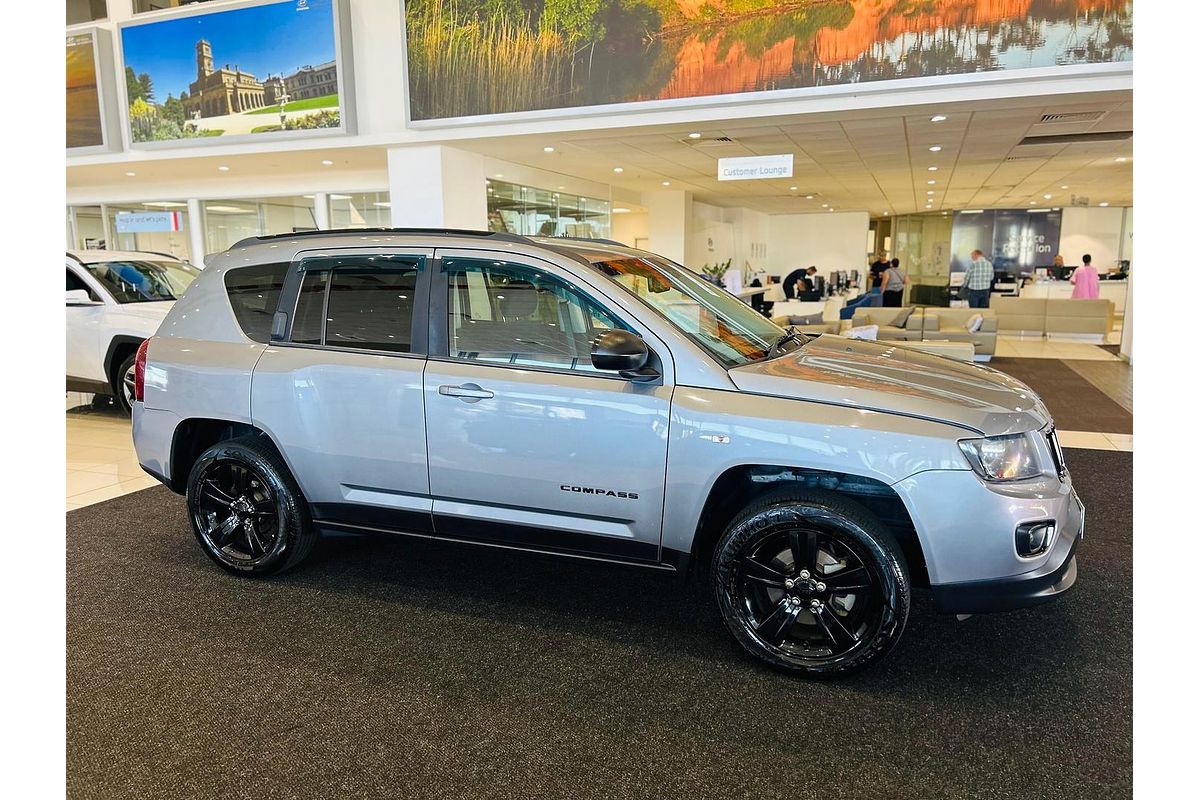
(85, 323)
(339, 387)
(529, 445)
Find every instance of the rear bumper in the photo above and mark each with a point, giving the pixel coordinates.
(153, 436)
(1053, 578)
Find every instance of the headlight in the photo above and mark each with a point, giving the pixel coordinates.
(1002, 458)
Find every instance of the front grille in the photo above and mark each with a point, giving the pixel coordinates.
(1056, 453)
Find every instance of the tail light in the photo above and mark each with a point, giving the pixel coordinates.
(139, 372)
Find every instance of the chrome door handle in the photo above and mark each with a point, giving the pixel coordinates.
(468, 391)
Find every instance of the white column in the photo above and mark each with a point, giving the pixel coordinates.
(432, 186)
(671, 225)
(321, 210)
(196, 236)
(72, 229)
(1127, 322)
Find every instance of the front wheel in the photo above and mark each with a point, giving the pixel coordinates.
(246, 510)
(812, 583)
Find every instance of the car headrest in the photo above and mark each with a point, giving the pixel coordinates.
(518, 299)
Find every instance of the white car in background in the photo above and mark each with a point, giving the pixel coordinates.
(115, 301)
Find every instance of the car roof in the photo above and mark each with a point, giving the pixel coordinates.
(98, 256)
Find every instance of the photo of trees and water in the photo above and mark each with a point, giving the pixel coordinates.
(473, 57)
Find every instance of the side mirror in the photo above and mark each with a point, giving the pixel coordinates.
(79, 297)
(625, 353)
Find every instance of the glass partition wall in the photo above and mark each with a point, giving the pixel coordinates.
(541, 212)
(361, 210)
(922, 243)
(227, 222)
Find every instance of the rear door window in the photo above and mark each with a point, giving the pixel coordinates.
(254, 295)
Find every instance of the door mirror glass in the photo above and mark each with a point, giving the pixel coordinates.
(79, 297)
(624, 352)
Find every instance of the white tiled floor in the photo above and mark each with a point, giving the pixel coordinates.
(101, 463)
(1017, 347)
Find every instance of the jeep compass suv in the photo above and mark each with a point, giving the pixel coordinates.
(595, 401)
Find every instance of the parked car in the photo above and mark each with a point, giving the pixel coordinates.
(596, 401)
(115, 301)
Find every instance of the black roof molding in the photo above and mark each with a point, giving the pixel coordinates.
(503, 237)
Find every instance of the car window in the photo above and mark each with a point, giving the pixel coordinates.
(138, 281)
(254, 294)
(74, 282)
(364, 303)
(507, 313)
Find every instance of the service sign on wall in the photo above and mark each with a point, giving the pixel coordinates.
(1017, 241)
(261, 68)
(478, 57)
(149, 221)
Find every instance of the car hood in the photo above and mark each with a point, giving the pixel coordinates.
(155, 310)
(891, 378)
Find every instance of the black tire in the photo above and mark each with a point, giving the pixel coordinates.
(122, 393)
(789, 612)
(244, 479)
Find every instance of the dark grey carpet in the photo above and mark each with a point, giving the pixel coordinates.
(393, 668)
(1074, 402)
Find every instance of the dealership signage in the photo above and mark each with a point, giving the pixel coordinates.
(149, 222)
(753, 168)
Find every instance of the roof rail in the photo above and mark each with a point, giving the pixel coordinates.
(587, 239)
(504, 237)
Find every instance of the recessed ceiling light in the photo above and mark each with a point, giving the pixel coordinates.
(130, 174)
(794, 188)
(1064, 187)
(937, 118)
(930, 183)
(1047, 196)
(223, 168)
(620, 211)
(808, 197)
(547, 149)
(930, 191)
(561, 188)
(1033, 202)
(944, 213)
(327, 163)
(618, 169)
(1121, 159)
(499, 175)
(887, 213)
(666, 183)
(937, 148)
(1104, 205)
(824, 205)
(933, 169)
(694, 135)
(831, 209)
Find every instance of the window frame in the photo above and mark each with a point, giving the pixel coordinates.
(439, 313)
(307, 262)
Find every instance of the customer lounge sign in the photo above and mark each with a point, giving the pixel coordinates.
(751, 168)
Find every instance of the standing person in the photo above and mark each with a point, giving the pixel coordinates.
(877, 269)
(978, 283)
(1086, 281)
(892, 284)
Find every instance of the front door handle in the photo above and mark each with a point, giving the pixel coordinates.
(468, 391)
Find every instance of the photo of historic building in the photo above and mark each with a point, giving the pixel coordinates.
(216, 92)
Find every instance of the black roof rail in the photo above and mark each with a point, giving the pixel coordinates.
(587, 239)
(504, 237)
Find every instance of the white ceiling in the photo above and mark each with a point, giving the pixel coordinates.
(874, 160)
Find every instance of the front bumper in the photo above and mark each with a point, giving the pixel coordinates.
(1055, 577)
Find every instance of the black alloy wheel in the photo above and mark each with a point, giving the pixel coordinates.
(246, 510)
(811, 583)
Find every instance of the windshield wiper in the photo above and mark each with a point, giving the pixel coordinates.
(792, 335)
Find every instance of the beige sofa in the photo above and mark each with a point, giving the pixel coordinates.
(784, 321)
(1045, 317)
(886, 319)
(950, 325)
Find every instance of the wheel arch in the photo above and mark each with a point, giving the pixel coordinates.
(194, 435)
(741, 484)
(119, 348)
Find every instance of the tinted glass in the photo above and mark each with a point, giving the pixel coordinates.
(512, 314)
(372, 309)
(254, 294)
(310, 308)
(143, 281)
(74, 282)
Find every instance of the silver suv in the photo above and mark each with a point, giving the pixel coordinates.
(595, 401)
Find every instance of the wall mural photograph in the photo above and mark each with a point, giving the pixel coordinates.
(251, 70)
(474, 57)
(84, 126)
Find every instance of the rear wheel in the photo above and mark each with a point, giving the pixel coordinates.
(246, 510)
(811, 583)
(123, 384)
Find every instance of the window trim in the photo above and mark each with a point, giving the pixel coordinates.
(439, 312)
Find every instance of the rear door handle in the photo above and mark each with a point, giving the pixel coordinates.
(468, 391)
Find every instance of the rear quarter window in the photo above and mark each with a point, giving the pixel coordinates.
(254, 294)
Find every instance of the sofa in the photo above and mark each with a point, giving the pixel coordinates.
(909, 317)
(811, 328)
(1049, 317)
(950, 325)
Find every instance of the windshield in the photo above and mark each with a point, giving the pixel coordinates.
(716, 320)
(143, 281)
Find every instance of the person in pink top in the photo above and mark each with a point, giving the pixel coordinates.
(1086, 280)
